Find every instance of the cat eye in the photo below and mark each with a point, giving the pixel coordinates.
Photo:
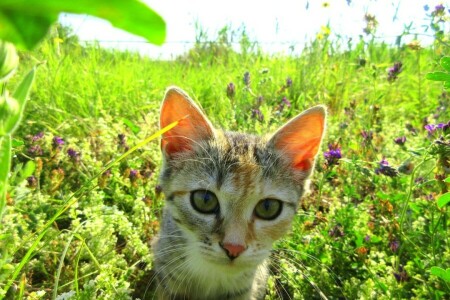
(204, 201)
(268, 209)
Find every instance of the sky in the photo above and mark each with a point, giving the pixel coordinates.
(276, 25)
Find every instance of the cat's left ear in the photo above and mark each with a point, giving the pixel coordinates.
(299, 140)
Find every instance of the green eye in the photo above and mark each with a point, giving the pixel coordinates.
(204, 201)
(268, 209)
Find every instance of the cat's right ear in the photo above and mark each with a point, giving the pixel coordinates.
(193, 126)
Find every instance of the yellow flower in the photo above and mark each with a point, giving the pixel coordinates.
(325, 30)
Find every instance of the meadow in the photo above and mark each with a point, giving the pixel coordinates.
(374, 226)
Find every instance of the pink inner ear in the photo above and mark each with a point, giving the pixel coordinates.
(192, 127)
(299, 140)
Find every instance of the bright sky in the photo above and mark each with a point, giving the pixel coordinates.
(276, 25)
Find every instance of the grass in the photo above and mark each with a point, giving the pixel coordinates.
(366, 231)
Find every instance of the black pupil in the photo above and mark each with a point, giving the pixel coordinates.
(267, 204)
(204, 201)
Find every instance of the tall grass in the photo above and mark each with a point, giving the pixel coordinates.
(360, 234)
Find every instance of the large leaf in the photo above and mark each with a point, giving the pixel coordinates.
(438, 76)
(443, 200)
(445, 63)
(25, 22)
(441, 273)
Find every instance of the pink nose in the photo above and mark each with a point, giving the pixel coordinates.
(233, 250)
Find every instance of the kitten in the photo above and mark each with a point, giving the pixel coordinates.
(229, 196)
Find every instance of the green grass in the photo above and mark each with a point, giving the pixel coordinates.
(359, 234)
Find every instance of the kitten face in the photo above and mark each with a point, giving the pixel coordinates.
(232, 189)
(229, 196)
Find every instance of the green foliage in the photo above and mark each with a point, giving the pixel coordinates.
(442, 76)
(26, 22)
(78, 226)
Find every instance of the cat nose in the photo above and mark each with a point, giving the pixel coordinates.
(233, 250)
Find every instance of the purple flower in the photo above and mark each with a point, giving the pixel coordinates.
(439, 9)
(288, 82)
(37, 136)
(394, 245)
(32, 181)
(284, 103)
(35, 150)
(401, 275)
(367, 238)
(333, 154)
(386, 169)
(134, 175)
(394, 71)
(58, 142)
(257, 114)
(247, 78)
(337, 231)
(431, 128)
(367, 137)
(400, 140)
(74, 155)
(231, 90)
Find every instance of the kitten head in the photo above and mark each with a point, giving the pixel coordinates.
(231, 195)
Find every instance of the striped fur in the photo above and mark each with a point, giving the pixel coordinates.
(241, 170)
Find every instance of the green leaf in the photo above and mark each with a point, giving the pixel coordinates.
(27, 170)
(5, 158)
(445, 63)
(20, 95)
(441, 273)
(131, 125)
(438, 76)
(26, 22)
(443, 200)
(447, 179)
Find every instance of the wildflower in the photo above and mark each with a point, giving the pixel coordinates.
(394, 71)
(247, 78)
(367, 238)
(400, 140)
(74, 155)
(429, 197)
(394, 245)
(288, 82)
(333, 154)
(431, 128)
(35, 150)
(371, 23)
(231, 90)
(426, 7)
(37, 136)
(32, 181)
(337, 231)
(367, 137)
(58, 142)
(439, 10)
(385, 169)
(284, 103)
(257, 114)
(122, 141)
(414, 45)
(401, 275)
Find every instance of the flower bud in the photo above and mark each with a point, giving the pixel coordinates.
(9, 60)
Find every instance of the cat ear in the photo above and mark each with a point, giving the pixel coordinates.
(299, 140)
(193, 126)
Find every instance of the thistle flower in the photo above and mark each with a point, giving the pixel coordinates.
(386, 169)
(247, 78)
(231, 90)
(58, 142)
(333, 154)
(394, 71)
(400, 140)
